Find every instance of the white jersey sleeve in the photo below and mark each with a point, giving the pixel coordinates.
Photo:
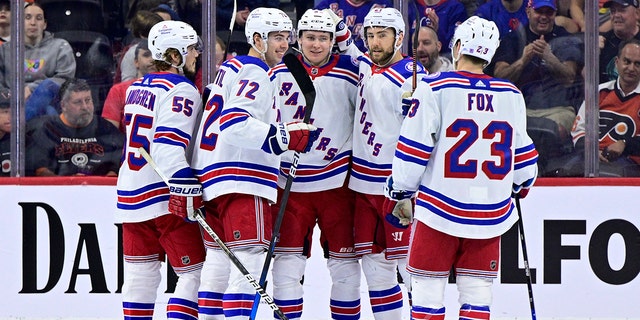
(462, 146)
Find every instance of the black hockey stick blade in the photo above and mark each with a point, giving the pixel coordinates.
(299, 73)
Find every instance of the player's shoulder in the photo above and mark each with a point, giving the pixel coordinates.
(165, 81)
(461, 79)
(278, 70)
(405, 67)
(347, 62)
(249, 62)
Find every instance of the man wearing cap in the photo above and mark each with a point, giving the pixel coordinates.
(113, 110)
(5, 133)
(624, 20)
(543, 66)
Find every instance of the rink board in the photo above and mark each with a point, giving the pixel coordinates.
(61, 258)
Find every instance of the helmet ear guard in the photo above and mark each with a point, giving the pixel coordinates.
(478, 37)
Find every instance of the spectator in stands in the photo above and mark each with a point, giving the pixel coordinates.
(138, 5)
(224, 9)
(48, 62)
(221, 47)
(5, 21)
(429, 51)
(352, 13)
(76, 142)
(166, 12)
(113, 110)
(542, 72)
(302, 6)
(508, 15)
(5, 133)
(140, 25)
(624, 20)
(619, 103)
(190, 11)
(470, 6)
(443, 15)
(563, 16)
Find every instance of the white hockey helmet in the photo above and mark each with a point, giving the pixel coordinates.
(317, 20)
(171, 34)
(384, 17)
(478, 37)
(266, 20)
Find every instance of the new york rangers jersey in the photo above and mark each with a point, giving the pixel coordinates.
(326, 165)
(160, 115)
(377, 121)
(462, 146)
(237, 117)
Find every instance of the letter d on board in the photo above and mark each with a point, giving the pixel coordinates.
(30, 250)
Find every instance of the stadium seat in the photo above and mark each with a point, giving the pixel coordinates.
(548, 141)
(63, 15)
(238, 43)
(94, 61)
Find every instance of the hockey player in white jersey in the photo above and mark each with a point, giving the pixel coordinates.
(319, 193)
(160, 115)
(463, 152)
(385, 75)
(237, 158)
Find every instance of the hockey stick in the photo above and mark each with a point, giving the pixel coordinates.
(414, 45)
(523, 243)
(231, 24)
(200, 218)
(299, 73)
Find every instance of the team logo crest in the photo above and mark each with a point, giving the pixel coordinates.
(409, 67)
(80, 160)
(6, 166)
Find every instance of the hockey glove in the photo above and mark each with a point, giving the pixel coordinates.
(296, 136)
(343, 34)
(398, 207)
(185, 194)
(398, 212)
(521, 191)
(406, 102)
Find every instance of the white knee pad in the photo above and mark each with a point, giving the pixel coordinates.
(428, 292)
(406, 277)
(345, 275)
(253, 260)
(141, 281)
(215, 272)
(287, 273)
(474, 291)
(187, 286)
(379, 272)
